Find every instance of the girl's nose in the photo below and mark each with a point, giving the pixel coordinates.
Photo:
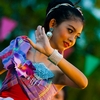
(71, 39)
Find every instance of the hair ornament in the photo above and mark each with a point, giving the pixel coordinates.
(57, 6)
(79, 9)
(64, 4)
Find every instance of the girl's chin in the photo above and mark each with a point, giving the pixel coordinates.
(61, 50)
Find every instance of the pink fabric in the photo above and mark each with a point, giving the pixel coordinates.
(7, 25)
(68, 52)
(37, 86)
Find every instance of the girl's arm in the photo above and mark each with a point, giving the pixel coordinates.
(73, 73)
(43, 46)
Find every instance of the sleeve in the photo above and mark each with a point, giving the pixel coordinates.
(18, 46)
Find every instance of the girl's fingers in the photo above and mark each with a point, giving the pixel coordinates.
(43, 31)
(39, 30)
(39, 33)
(32, 43)
(36, 35)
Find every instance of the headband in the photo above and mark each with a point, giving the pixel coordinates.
(63, 4)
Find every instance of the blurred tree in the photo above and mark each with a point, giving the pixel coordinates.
(97, 3)
(28, 14)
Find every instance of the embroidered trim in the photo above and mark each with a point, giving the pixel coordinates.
(45, 91)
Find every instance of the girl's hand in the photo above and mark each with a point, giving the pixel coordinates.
(42, 42)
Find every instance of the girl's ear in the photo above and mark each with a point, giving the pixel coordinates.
(52, 23)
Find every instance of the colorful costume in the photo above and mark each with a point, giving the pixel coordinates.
(36, 78)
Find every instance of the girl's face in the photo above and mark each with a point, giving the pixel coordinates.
(65, 35)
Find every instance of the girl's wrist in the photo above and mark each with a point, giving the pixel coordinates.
(55, 57)
(50, 51)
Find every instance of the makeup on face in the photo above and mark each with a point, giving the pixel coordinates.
(66, 30)
(73, 29)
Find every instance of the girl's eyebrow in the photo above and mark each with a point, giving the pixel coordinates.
(73, 28)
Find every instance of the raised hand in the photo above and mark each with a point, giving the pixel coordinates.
(42, 42)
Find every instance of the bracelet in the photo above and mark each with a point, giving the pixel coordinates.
(55, 57)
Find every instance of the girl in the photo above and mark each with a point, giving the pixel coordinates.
(37, 71)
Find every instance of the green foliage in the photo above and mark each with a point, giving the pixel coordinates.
(97, 3)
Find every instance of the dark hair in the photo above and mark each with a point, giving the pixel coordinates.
(61, 13)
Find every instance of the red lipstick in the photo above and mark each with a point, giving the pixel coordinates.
(65, 44)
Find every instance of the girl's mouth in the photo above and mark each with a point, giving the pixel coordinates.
(65, 44)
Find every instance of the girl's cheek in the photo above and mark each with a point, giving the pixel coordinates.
(63, 34)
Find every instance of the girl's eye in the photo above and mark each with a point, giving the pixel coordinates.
(70, 30)
(77, 37)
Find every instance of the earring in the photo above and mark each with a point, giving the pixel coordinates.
(49, 33)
